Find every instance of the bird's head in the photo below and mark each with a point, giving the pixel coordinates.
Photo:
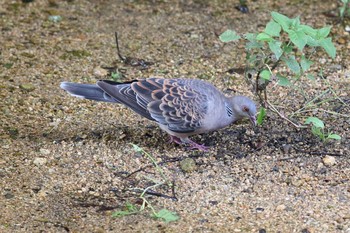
(244, 108)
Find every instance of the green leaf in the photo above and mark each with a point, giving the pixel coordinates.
(275, 47)
(287, 48)
(261, 116)
(130, 209)
(273, 29)
(323, 32)
(265, 74)
(264, 37)
(282, 20)
(308, 30)
(315, 121)
(318, 132)
(116, 76)
(283, 81)
(298, 38)
(136, 148)
(292, 64)
(250, 36)
(328, 46)
(295, 23)
(254, 45)
(166, 215)
(334, 136)
(305, 63)
(228, 36)
(311, 41)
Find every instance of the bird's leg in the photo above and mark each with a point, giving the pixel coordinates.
(175, 139)
(193, 145)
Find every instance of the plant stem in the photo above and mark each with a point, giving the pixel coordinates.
(271, 107)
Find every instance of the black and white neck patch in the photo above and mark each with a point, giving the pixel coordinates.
(228, 110)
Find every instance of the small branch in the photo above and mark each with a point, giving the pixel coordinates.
(271, 107)
(318, 152)
(157, 194)
(118, 50)
(310, 102)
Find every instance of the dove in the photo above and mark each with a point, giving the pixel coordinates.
(181, 107)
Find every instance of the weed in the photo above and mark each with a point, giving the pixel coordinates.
(130, 209)
(284, 42)
(318, 129)
(344, 9)
(116, 76)
(261, 116)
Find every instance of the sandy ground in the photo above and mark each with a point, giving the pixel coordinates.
(64, 161)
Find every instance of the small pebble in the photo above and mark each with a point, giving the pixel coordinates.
(328, 160)
(44, 151)
(55, 18)
(280, 207)
(286, 148)
(39, 161)
(99, 72)
(9, 195)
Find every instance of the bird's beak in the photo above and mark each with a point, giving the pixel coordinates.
(253, 120)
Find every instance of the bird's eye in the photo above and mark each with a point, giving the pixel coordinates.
(245, 109)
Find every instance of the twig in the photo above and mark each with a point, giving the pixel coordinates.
(131, 60)
(318, 152)
(118, 50)
(284, 117)
(310, 102)
(154, 193)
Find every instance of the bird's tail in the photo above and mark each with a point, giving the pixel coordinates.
(87, 91)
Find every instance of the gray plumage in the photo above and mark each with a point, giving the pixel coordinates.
(181, 107)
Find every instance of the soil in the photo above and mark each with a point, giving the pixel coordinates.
(66, 164)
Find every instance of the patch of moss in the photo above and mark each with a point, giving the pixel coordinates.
(27, 87)
(13, 132)
(8, 65)
(75, 53)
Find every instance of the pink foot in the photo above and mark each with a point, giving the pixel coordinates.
(175, 139)
(194, 145)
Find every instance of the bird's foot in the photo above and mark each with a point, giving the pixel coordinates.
(175, 139)
(193, 145)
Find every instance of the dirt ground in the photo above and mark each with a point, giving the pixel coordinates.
(64, 161)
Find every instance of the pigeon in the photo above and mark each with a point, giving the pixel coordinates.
(181, 107)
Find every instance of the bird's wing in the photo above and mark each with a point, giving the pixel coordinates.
(124, 94)
(172, 102)
(176, 103)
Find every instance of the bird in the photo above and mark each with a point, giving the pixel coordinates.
(181, 107)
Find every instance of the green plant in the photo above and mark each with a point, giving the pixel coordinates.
(116, 76)
(344, 9)
(282, 54)
(285, 41)
(261, 116)
(318, 129)
(130, 209)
